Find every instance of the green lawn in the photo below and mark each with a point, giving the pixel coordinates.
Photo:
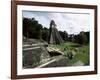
(80, 52)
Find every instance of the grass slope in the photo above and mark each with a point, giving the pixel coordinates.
(79, 52)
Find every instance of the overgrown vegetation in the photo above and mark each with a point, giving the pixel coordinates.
(74, 52)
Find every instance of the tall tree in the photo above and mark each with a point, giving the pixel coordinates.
(31, 28)
(82, 38)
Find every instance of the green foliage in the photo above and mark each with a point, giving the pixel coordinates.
(81, 38)
(82, 55)
(45, 34)
(31, 28)
(81, 52)
(64, 35)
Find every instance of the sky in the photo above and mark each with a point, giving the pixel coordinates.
(72, 23)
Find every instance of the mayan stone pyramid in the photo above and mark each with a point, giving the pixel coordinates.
(54, 35)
